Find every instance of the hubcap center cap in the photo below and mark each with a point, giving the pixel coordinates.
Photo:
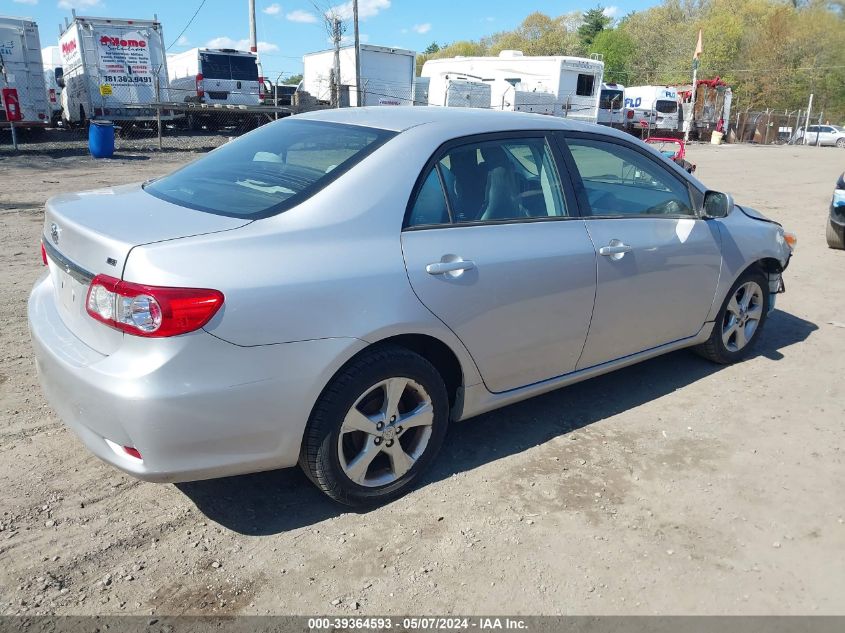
(389, 433)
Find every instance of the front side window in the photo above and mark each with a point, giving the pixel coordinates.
(506, 179)
(610, 99)
(619, 181)
(270, 170)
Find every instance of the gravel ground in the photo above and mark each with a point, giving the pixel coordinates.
(674, 486)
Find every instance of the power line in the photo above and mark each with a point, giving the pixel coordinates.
(202, 4)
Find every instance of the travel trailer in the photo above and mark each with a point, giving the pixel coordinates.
(572, 82)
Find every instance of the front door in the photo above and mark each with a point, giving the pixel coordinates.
(658, 262)
(502, 259)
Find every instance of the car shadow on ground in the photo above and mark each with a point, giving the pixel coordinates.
(282, 500)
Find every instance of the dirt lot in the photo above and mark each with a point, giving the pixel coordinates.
(671, 487)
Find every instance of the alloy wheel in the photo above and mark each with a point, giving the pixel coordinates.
(385, 432)
(742, 317)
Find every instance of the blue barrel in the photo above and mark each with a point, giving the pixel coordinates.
(101, 139)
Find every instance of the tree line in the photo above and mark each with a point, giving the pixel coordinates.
(773, 53)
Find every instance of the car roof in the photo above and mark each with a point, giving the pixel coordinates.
(401, 118)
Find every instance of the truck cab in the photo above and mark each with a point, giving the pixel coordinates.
(652, 107)
(611, 105)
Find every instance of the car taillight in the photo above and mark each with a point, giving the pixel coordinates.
(43, 254)
(630, 114)
(200, 91)
(261, 88)
(151, 311)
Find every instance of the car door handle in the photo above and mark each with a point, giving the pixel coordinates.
(615, 248)
(441, 268)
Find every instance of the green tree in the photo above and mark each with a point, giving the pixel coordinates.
(616, 48)
(292, 79)
(594, 22)
(432, 48)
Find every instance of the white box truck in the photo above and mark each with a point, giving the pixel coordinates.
(654, 108)
(21, 70)
(51, 57)
(572, 81)
(114, 69)
(387, 74)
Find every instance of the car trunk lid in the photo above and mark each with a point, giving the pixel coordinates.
(91, 233)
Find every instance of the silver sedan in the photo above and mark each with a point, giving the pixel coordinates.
(333, 289)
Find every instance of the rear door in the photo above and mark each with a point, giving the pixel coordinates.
(493, 247)
(229, 78)
(658, 262)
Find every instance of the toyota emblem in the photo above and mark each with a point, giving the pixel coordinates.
(54, 233)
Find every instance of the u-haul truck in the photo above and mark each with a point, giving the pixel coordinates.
(113, 69)
(21, 74)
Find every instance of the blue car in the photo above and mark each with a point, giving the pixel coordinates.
(836, 222)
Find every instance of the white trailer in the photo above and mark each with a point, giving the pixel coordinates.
(654, 108)
(573, 82)
(51, 57)
(611, 105)
(387, 75)
(22, 71)
(113, 69)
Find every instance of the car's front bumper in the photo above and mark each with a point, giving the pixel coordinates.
(194, 406)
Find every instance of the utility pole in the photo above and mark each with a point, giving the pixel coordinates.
(336, 34)
(358, 100)
(807, 121)
(253, 39)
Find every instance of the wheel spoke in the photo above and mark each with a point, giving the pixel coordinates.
(747, 295)
(741, 339)
(423, 415)
(728, 332)
(399, 459)
(733, 306)
(393, 390)
(755, 312)
(357, 421)
(356, 470)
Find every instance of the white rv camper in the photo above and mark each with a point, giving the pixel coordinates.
(113, 69)
(387, 75)
(653, 107)
(573, 82)
(22, 71)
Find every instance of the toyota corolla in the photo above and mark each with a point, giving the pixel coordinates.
(334, 288)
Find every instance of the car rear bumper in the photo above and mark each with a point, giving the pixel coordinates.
(194, 406)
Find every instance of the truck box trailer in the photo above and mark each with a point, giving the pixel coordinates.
(387, 74)
(573, 82)
(113, 69)
(21, 71)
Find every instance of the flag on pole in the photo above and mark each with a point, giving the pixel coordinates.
(696, 57)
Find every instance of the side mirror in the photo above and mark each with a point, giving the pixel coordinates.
(717, 205)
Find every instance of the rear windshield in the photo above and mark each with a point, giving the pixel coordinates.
(269, 170)
(608, 96)
(666, 107)
(236, 67)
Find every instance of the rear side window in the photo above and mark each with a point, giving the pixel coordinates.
(584, 87)
(234, 67)
(243, 68)
(619, 181)
(490, 181)
(269, 170)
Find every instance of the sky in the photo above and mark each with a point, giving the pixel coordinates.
(287, 29)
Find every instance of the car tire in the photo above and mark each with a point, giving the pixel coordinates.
(835, 235)
(840, 143)
(740, 320)
(355, 447)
